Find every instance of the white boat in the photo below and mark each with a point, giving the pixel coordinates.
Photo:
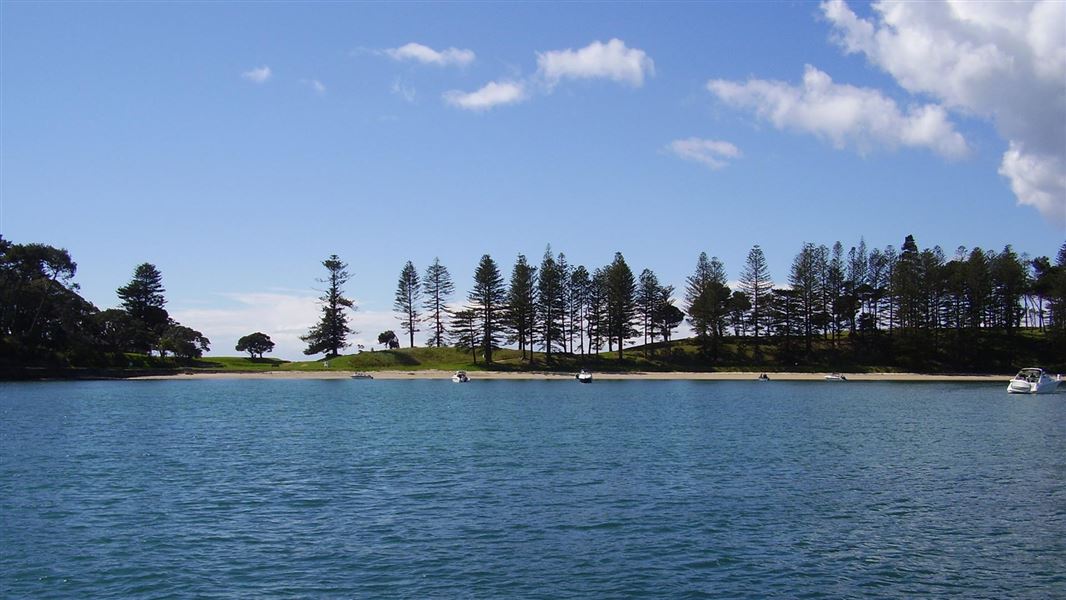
(763, 377)
(460, 377)
(1033, 381)
(362, 376)
(584, 376)
(836, 377)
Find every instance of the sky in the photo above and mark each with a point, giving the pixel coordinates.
(237, 145)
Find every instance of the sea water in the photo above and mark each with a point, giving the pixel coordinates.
(534, 489)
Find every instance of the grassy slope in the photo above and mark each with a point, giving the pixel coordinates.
(987, 352)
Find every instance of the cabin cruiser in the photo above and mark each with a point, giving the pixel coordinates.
(1033, 381)
(836, 377)
(460, 377)
(362, 376)
(584, 376)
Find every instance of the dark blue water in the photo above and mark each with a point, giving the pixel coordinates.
(426, 489)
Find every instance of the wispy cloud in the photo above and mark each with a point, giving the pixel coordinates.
(429, 56)
(492, 94)
(612, 60)
(401, 89)
(258, 75)
(315, 85)
(712, 153)
(862, 118)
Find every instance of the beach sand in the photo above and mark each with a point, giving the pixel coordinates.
(475, 375)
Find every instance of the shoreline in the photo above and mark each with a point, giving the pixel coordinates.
(544, 376)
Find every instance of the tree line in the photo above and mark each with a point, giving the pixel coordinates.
(863, 295)
(43, 318)
(864, 300)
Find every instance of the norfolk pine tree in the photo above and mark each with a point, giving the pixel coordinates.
(521, 305)
(756, 283)
(408, 293)
(330, 335)
(438, 287)
(488, 299)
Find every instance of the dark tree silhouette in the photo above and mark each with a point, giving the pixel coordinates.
(330, 335)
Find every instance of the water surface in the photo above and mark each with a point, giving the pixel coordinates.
(540, 489)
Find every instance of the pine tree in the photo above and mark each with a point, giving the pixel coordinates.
(648, 298)
(408, 294)
(806, 285)
(467, 335)
(707, 301)
(621, 301)
(438, 287)
(578, 294)
(551, 303)
(756, 283)
(330, 335)
(142, 298)
(521, 305)
(488, 299)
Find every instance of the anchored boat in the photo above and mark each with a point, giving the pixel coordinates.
(1033, 380)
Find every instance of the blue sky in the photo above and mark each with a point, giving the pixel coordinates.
(237, 145)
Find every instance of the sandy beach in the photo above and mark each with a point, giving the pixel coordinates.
(475, 375)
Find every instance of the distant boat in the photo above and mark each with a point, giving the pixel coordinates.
(460, 377)
(362, 376)
(763, 377)
(1033, 381)
(836, 377)
(584, 376)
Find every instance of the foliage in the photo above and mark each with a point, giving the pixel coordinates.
(389, 339)
(255, 343)
(521, 310)
(488, 300)
(330, 335)
(408, 294)
(438, 287)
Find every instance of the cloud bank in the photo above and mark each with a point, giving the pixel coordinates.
(1001, 61)
(848, 116)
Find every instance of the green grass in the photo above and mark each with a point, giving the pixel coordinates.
(983, 351)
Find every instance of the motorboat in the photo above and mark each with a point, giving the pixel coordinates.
(584, 376)
(1032, 380)
(836, 377)
(763, 377)
(460, 377)
(362, 376)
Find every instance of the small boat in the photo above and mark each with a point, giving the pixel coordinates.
(460, 377)
(362, 376)
(836, 377)
(1033, 381)
(584, 376)
(763, 377)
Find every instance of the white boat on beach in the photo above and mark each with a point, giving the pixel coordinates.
(836, 377)
(362, 376)
(584, 376)
(460, 377)
(1033, 381)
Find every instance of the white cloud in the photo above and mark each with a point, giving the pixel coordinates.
(863, 118)
(997, 60)
(284, 316)
(316, 85)
(612, 60)
(403, 90)
(492, 94)
(429, 56)
(712, 153)
(258, 74)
